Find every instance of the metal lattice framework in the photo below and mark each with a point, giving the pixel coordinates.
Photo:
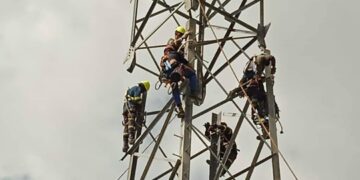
(220, 26)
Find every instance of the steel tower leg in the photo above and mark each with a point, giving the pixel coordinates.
(215, 9)
(271, 110)
(186, 121)
(134, 20)
(256, 157)
(157, 144)
(139, 121)
(215, 147)
(272, 123)
(200, 51)
(186, 141)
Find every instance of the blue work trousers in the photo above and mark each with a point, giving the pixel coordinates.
(189, 74)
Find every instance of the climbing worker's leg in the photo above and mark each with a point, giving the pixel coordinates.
(138, 124)
(244, 79)
(262, 105)
(230, 160)
(126, 130)
(131, 123)
(257, 116)
(265, 130)
(253, 114)
(176, 94)
(125, 135)
(193, 83)
(176, 97)
(247, 76)
(181, 112)
(190, 74)
(262, 109)
(221, 155)
(239, 91)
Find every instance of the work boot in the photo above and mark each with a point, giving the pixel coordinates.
(125, 148)
(265, 136)
(181, 112)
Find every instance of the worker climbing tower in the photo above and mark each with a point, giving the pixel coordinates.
(222, 34)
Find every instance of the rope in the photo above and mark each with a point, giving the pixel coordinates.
(267, 144)
(227, 60)
(277, 148)
(217, 39)
(245, 94)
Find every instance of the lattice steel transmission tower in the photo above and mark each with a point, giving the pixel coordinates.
(219, 28)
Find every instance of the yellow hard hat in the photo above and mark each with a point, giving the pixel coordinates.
(181, 29)
(146, 84)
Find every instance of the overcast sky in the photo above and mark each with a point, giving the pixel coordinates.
(62, 82)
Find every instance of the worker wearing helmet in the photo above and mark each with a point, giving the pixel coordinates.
(175, 68)
(181, 30)
(264, 59)
(252, 84)
(180, 35)
(224, 132)
(132, 105)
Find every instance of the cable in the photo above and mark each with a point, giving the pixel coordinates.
(217, 39)
(247, 97)
(267, 144)
(227, 60)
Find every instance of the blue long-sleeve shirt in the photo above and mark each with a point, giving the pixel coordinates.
(134, 93)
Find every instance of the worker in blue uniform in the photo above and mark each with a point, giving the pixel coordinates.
(131, 108)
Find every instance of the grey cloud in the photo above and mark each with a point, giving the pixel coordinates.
(62, 81)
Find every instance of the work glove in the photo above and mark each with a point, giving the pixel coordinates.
(207, 125)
